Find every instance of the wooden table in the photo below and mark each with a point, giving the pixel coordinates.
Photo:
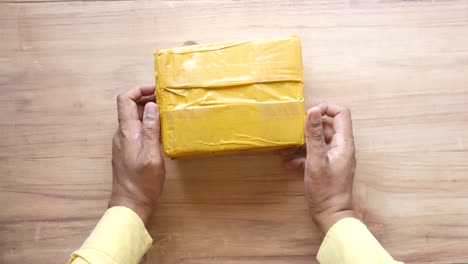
(401, 66)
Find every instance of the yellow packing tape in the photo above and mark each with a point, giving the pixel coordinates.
(226, 97)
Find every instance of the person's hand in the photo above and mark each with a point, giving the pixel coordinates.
(137, 163)
(329, 166)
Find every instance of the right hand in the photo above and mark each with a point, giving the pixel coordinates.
(137, 163)
(329, 166)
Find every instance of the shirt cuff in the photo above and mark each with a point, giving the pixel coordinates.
(120, 237)
(349, 241)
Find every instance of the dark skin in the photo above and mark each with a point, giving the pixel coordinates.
(137, 162)
(328, 159)
(329, 164)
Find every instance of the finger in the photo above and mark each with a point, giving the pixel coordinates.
(141, 104)
(302, 150)
(342, 118)
(288, 151)
(330, 110)
(316, 147)
(126, 102)
(147, 99)
(126, 109)
(298, 151)
(344, 125)
(328, 129)
(294, 163)
(137, 93)
(150, 132)
(141, 109)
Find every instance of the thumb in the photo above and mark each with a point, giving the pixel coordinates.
(316, 147)
(151, 126)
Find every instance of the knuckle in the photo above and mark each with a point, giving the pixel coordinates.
(317, 134)
(148, 133)
(148, 130)
(143, 165)
(149, 162)
(317, 173)
(124, 132)
(156, 162)
(316, 123)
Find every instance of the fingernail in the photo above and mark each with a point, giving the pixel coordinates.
(315, 114)
(151, 110)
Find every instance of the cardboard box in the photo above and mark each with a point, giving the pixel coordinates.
(227, 97)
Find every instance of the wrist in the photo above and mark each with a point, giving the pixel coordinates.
(142, 210)
(326, 219)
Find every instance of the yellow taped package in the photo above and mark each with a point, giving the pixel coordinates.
(227, 97)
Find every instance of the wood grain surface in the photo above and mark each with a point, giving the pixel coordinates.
(401, 66)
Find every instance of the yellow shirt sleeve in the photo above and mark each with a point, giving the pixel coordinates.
(349, 241)
(120, 237)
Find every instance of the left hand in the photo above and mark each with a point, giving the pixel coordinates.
(137, 163)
